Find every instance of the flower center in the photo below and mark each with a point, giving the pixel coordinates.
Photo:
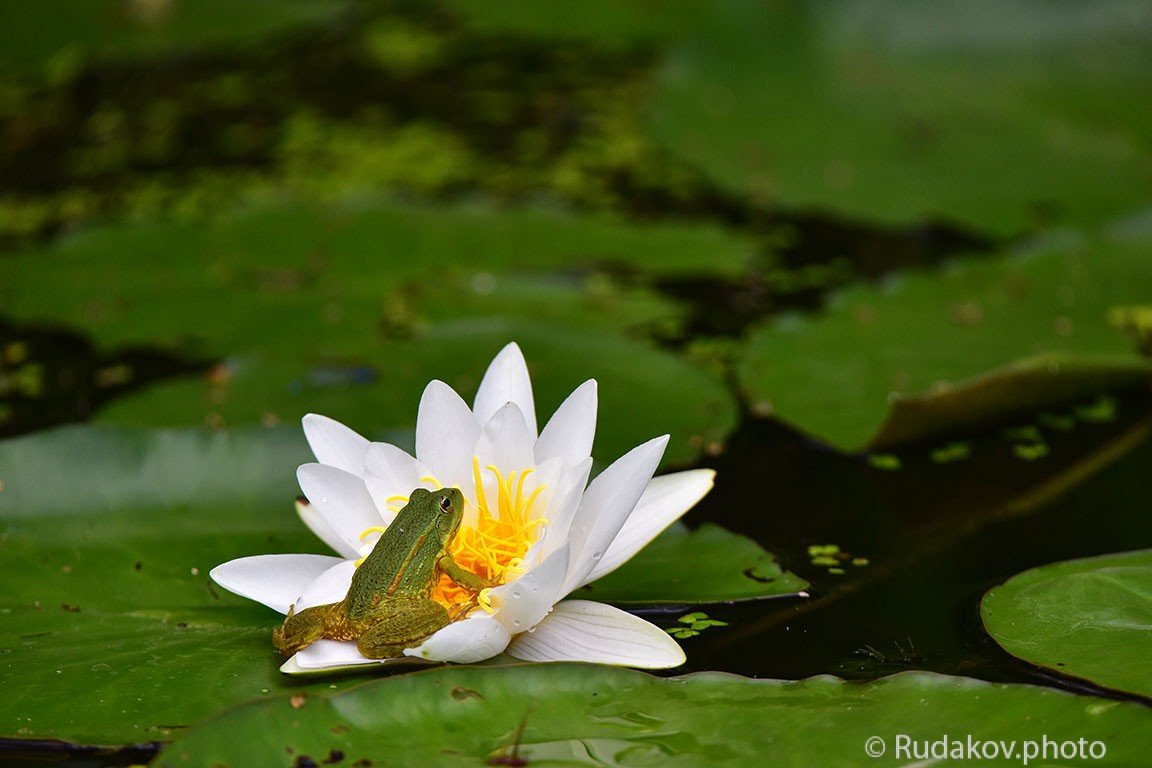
(495, 547)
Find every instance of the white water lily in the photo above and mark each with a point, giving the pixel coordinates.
(532, 522)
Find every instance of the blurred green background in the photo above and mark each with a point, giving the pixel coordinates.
(226, 213)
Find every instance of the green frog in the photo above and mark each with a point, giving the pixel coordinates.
(388, 606)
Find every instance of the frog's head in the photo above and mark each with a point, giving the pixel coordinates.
(449, 506)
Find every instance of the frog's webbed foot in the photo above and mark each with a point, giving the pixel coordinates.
(299, 630)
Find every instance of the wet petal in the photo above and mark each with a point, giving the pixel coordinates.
(582, 630)
(335, 444)
(329, 587)
(341, 500)
(475, 638)
(274, 580)
(323, 531)
(506, 381)
(606, 504)
(664, 501)
(524, 602)
(446, 435)
(572, 428)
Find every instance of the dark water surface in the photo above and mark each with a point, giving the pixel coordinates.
(936, 535)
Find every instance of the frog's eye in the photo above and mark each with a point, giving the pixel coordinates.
(446, 504)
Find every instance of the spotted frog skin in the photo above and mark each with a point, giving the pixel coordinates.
(389, 606)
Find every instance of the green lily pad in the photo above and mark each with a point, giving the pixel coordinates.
(349, 310)
(584, 715)
(984, 113)
(1000, 115)
(931, 354)
(1089, 618)
(686, 566)
(111, 631)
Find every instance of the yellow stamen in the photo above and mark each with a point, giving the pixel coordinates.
(432, 479)
(520, 486)
(493, 545)
(374, 529)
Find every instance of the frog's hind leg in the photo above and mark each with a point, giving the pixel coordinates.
(400, 624)
(302, 629)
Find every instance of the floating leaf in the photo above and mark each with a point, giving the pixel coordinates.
(586, 715)
(955, 351)
(709, 564)
(1089, 618)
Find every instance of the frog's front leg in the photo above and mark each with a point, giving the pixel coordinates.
(396, 624)
(463, 576)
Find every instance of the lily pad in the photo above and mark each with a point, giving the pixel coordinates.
(1089, 618)
(111, 631)
(891, 111)
(584, 715)
(904, 112)
(717, 557)
(931, 354)
(348, 310)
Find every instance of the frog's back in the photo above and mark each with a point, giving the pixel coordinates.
(402, 564)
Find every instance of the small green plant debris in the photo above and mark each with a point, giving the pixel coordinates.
(830, 556)
(885, 461)
(1025, 434)
(695, 623)
(951, 452)
(1030, 451)
(1100, 411)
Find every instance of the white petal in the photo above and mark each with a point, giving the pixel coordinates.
(564, 504)
(323, 531)
(521, 604)
(341, 499)
(390, 471)
(571, 430)
(475, 638)
(274, 580)
(505, 441)
(446, 435)
(326, 654)
(606, 504)
(329, 587)
(506, 381)
(335, 444)
(664, 501)
(581, 630)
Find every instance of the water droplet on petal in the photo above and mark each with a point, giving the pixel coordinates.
(597, 555)
(517, 595)
(516, 622)
(323, 499)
